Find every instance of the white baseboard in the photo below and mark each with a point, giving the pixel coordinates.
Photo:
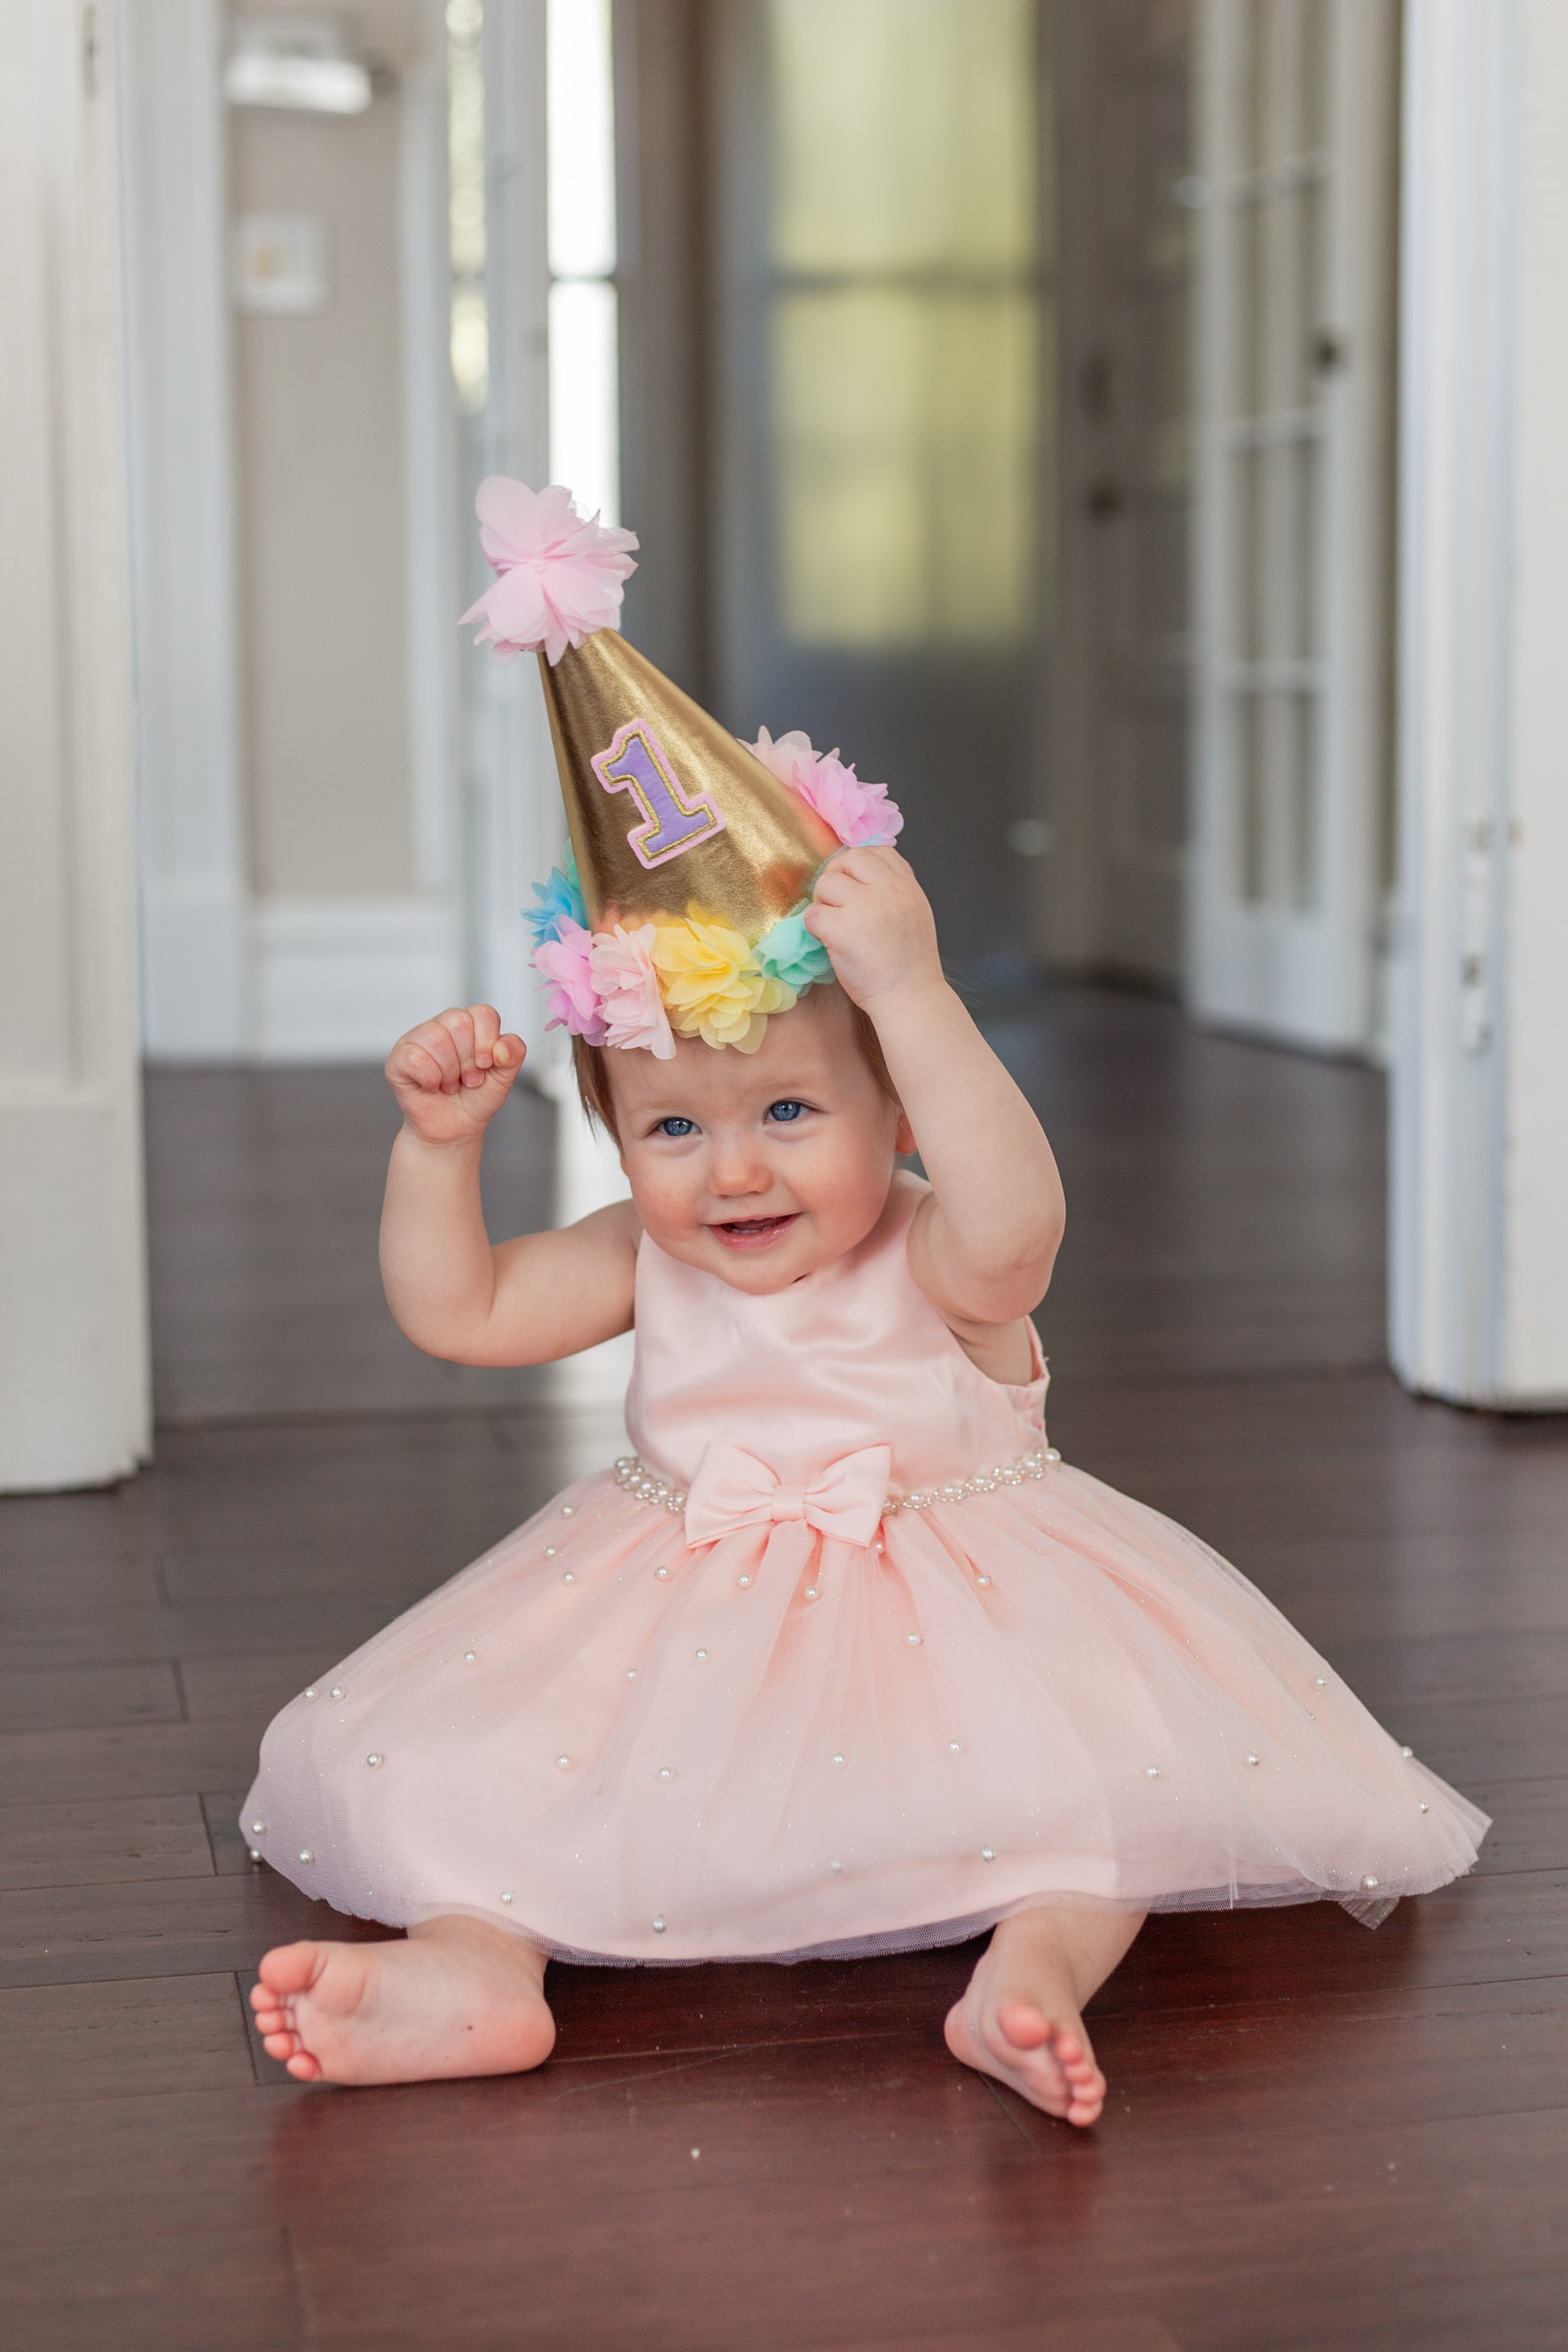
(75, 1387)
(340, 979)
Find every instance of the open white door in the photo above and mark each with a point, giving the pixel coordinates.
(1296, 145)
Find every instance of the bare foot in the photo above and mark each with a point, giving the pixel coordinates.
(456, 1998)
(1019, 2019)
(1046, 2060)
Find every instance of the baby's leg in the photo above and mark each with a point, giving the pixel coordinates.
(457, 1999)
(1020, 2019)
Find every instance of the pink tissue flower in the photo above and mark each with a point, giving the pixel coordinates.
(860, 814)
(565, 964)
(560, 577)
(628, 988)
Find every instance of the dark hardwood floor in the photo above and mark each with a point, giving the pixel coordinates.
(1318, 2138)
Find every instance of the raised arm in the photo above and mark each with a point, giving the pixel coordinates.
(982, 1246)
(524, 1301)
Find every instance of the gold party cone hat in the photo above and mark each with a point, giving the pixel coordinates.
(694, 861)
(670, 816)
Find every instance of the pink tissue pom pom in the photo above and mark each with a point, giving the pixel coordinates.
(628, 988)
(560, 577)
(566, 963)
(860, 814)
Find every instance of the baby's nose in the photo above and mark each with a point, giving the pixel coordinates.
(737, 1166)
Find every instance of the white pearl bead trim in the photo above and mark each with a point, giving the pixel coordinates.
(634, 1476)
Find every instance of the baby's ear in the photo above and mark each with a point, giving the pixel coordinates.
(904, 1142)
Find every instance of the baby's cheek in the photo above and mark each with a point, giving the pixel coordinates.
(664, 1192)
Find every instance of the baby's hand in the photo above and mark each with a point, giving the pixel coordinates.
(452, 1075)
(876, 923)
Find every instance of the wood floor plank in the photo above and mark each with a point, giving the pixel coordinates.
(1496, 1668)
(1504, 2310)
(1529, 1825)
(144, 1759)
(178, 1927)
(1400, 2055)
(283, 1574)
(77, 1698)
(247, 1690)
(821, 2242)
(1497, 1931)
(108, 2041)
(178, 2165)
(83, 1843)
(332, 1625)
(45, 1592)
(149, 2295)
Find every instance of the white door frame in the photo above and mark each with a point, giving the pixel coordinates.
(516, 823)
(75, 1384)
(196, 959)
(1479, 1179)
(1276, 958)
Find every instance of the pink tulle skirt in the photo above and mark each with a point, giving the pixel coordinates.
(781, 1745)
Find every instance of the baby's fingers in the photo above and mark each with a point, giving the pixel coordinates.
(505, 1059)
(426, 1057)
(485, 1027)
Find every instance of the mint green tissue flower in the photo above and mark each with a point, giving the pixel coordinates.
(790, 953)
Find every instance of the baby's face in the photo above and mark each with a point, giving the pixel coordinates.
(761, 1167)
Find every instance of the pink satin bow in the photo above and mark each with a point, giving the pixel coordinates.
(733, 1489)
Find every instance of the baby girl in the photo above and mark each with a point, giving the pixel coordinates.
(844, 1660)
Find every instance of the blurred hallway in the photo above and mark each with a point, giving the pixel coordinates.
(1361, 2136)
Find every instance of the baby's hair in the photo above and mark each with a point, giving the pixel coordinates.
(590, 1068)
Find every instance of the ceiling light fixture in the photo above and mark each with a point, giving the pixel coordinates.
(309, 63)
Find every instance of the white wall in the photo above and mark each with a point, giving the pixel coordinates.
(1479, 1208)
(74, 1383)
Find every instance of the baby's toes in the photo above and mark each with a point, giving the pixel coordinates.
(1086, 2084)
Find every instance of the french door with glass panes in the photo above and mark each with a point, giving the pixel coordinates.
(1297, 129)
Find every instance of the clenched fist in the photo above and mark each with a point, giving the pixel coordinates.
(452, 1075)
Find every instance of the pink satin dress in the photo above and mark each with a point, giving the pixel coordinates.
(844, 1660)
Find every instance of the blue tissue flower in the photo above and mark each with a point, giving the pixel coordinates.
(559, 900)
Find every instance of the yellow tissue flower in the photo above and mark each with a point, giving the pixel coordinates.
(713, 986)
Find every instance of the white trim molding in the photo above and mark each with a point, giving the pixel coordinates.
(340, 979)
(432, 499)
(1479, 1180)
(74, 1385)
(517, 825)
(192, 830)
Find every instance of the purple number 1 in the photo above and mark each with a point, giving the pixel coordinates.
(637, 763)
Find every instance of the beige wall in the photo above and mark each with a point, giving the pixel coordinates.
(321, 508)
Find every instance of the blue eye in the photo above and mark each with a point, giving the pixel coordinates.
(677, 1127)
(786, 1110)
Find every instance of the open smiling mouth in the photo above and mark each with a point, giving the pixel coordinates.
(753, 1233)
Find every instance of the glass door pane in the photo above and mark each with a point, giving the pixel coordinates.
(886, 368)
